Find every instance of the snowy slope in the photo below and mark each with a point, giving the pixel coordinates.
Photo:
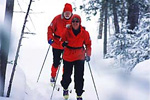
(110, 84)
(18, 86)
(110, 87)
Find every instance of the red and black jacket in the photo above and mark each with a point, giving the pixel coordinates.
(78, 45)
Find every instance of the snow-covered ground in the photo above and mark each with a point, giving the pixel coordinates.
(110, 85)
(110, 82)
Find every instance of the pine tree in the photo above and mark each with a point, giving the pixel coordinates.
(130, 49)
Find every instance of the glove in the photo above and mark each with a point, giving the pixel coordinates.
(87, 58)
(64, 44)
(50, 41)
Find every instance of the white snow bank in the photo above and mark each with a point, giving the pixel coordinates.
(142, 69)
(140, 83)
(18, 85)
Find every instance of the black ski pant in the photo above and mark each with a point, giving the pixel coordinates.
(78, 75)
(56, 57)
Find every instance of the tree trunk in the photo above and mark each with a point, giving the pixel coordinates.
(18, 49)
(123, 12)
(133, 14)
(101, 20)
(5, 41)
(105, 29)
(115, 16)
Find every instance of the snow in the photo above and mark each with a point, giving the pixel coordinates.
(110, 81)
(142, 69)
(110, 86)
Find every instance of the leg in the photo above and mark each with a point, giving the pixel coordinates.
(53, 71)
(66, 78)
(56, 57)
(56, 61)
(78, 77)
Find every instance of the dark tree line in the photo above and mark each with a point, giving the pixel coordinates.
(123, 12)
(126, 15)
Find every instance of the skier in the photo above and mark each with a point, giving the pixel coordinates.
(77, 48)
(55, 30)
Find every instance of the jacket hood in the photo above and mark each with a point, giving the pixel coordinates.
(75, 16)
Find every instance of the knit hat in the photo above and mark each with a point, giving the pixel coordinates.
(67, 7)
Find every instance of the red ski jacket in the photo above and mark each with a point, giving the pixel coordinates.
(78, 46)
(55, 30)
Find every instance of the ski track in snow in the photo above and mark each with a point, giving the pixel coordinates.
(45, 90)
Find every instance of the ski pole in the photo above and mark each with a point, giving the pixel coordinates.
(43, 63)
(93, 80)
(55, 82)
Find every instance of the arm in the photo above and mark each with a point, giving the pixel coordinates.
(88, 44)
(51, 29)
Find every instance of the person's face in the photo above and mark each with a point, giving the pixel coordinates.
(75, 23)
(67, 14)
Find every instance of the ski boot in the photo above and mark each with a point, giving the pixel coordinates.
(79, 98)
(52, 80)
(66, 94)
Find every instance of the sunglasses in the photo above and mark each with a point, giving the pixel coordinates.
(75, 21)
